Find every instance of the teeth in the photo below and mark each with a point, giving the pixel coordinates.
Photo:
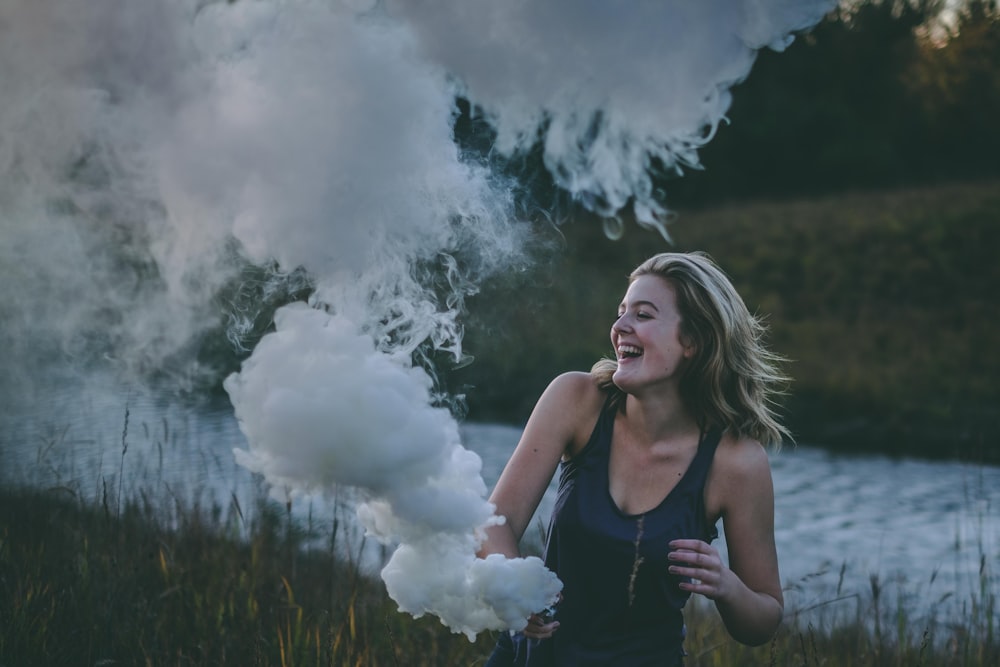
(628, 351)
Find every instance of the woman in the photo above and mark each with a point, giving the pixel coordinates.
(655, 447)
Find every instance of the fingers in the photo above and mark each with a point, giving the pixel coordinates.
(537, 628)
(691, 545)
(700, 563)
(695, 553)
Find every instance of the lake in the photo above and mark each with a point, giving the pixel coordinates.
(929, 531)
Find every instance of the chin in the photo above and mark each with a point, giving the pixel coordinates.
(621, 381)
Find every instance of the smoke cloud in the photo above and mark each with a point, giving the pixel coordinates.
(613, 90)
(152, 153)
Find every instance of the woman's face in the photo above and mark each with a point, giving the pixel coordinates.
(647, 336)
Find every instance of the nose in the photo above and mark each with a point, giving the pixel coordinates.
(621, 324)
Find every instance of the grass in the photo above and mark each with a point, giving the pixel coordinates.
(82, 585)
(886, 626)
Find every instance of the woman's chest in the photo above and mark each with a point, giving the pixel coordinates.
(639, 481)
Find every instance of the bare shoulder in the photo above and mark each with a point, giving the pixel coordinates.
(573, 400)
(575, 385)
(741, 456)
(741, 472)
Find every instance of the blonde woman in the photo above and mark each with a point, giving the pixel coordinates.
(653, 448)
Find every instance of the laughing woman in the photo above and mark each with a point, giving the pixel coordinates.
(654, 448)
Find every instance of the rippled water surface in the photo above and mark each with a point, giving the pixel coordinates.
(928, 530)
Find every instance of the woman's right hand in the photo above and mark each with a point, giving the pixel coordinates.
(539, 628)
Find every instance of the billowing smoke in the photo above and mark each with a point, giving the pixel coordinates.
(613, 90)
(152, 154)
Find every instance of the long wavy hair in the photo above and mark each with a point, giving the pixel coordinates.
(732, 381)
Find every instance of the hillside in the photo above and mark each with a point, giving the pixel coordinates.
(885, 303)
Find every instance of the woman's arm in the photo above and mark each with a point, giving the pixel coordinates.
(747, 593)
(551, 431)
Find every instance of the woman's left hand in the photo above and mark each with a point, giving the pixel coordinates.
(701, 563)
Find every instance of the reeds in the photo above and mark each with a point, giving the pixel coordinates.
(887, 625)
(79, 586)
(169, 581)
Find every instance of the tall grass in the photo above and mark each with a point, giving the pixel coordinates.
(891, 624)
(80, 586)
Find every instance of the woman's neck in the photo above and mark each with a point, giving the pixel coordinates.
(655, 420)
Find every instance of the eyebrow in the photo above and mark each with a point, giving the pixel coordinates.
(639, 303)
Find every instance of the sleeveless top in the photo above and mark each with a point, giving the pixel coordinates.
(620, 605)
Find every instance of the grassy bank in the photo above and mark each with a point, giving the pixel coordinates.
(884, 302)
(81, 585)
(95, 583)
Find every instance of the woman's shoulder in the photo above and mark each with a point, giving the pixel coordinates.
(577, 392)
(576, 383)
(574, 399)
(741, 457)
(741, 470)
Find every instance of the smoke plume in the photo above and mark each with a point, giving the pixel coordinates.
(153, 155)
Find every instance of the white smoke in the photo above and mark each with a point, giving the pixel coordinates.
(322, 407)
(86, 91)
(150, 151)
(613, 88)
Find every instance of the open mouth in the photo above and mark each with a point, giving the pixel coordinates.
(628, 352)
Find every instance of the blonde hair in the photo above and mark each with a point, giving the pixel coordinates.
(732, 380)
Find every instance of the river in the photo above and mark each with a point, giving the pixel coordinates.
(928, 532)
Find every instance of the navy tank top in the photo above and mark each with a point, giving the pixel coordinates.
(620, 605)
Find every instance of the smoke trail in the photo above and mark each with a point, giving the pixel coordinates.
(614, 91)
(150, 152)
(321, 408)
(331, 398)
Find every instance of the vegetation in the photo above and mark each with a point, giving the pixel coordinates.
(79, 586)
(885, 303)
(881, 94)
(82, 583)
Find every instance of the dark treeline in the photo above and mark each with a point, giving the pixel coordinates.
(882, 95)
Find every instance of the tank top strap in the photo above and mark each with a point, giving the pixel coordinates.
(599, 443)
(697, 472)
(605, 422)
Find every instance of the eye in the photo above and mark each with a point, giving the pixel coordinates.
(642, 315)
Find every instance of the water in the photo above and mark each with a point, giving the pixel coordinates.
(928, 531)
